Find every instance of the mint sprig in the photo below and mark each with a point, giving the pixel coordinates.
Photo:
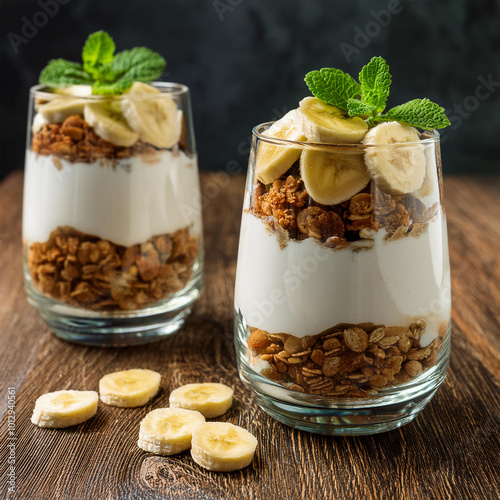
(105, 71)
(333, 86)
(368, 98)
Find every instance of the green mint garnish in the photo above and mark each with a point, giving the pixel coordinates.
(333, 86)
(106, 72)
(419, 113)
(368, 98)
(375, 82)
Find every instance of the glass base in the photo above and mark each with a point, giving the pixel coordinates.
(393, 407)
(345, 421)
(114, 329)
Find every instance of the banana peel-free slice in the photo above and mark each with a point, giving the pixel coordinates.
(223, 447)
(273, 160)
(167, 431)
(152, 114)
(323, 123)
(129, 388)
(333, 177)
(108, 122)
(210, 399)
(395, 158)
(64, 408)
(60, 108)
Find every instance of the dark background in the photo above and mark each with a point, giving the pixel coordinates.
(245, 60)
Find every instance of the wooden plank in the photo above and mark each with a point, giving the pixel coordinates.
(451, 450)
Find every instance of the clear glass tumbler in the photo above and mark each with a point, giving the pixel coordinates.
(342, 312)
(112, 228)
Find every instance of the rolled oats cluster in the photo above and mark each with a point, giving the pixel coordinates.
(92, 273)
(346, 361)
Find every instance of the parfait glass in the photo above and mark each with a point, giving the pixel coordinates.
(342, 312)
(112, 228)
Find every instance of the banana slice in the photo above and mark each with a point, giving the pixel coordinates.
(396, 168)
(107, 121)
(274, 160)
(58, 109)
(129, 388)
(211, 400)
(64, 408)
(75, 90)
(223, 447)
(333, 177)
(320, 122)
(152, 115)
(167, 431)
(38, 122)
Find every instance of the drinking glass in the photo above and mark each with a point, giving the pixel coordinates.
(342, 312)
(112, 231)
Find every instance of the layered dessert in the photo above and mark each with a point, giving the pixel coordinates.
(109, 222)
(342, 280)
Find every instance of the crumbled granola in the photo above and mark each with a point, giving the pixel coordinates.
(286, 201)
(89, 272)
(75, 140)
(347, 360)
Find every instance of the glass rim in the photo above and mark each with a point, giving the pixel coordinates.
(41, 91)
(258, 133)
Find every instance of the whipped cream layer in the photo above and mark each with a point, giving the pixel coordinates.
(126, 202)
(306, 288)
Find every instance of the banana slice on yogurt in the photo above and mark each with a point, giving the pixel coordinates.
(60, 108)
(152, 114)
(64, 408)
(274, 160)
(321, 122)
(107, 121)
(395, 167)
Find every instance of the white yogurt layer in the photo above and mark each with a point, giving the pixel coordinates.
(126, 203)
(305, 288)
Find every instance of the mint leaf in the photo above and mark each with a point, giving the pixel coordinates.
(333, 86)
(375, 82)
(355, 107)
(418, 113)
(97, 52)
(62, 73)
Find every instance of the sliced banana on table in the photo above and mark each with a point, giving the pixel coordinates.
(167, 431)
(210, 399)
(64, 408)
(333, 177)
(223, 447)
(107, 121)
(58, 109)
(129, 388)
(152, 114)
(320, 122)
(274, 160)
(395, 167)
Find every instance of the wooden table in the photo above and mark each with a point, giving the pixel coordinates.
(449, 451)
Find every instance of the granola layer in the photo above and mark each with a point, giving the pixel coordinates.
(347, 360)
(287, 203)
(96, 274)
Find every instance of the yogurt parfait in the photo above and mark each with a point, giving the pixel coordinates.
(343, 283)
(110, 226)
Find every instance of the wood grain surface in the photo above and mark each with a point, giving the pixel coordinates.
(450, 451)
